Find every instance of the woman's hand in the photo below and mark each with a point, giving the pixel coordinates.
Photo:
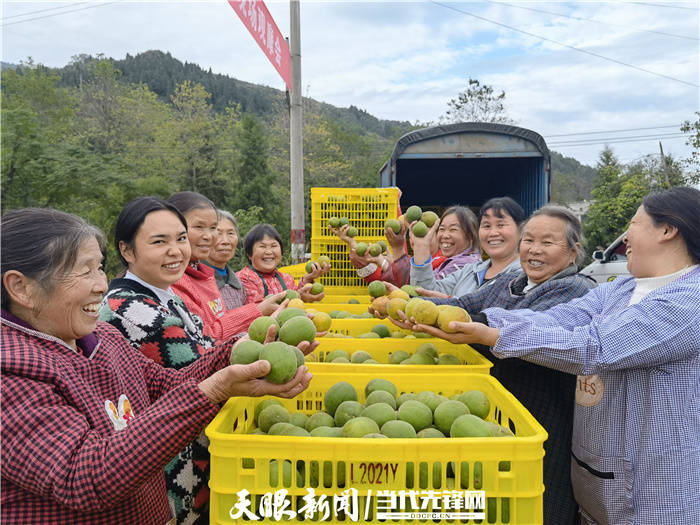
(360, 261)
(396, 241)
(465, 333)
(248, 380)
(342, 234)
(307, 296)
(269, 306)
(317, 271)
(403, 321)
(422, 245)
(431, 293)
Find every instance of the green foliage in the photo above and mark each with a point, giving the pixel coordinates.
(97, 133)
(619, 191)
(571, 180)
(692, 163)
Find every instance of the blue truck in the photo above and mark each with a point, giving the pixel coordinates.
(469, 163)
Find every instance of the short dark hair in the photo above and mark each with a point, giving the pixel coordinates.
(256, 234)
(503, 204)
(467, 221)
(132, 217)
(43, 244)
(678, 207)
(190, 200)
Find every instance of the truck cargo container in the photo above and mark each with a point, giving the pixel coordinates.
(469, 163)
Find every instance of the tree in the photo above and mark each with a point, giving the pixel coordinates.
(692, 163)
(619, 191)
(478, 103)
(605, 221)
(255, 179)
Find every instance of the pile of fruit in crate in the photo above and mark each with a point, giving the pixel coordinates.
(425, 354)
(384, 414)
(387, 303)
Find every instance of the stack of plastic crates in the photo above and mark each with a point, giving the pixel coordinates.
(249, 470)
(367, 210)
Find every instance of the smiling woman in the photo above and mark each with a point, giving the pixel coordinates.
(197, 287)
(263, 249)
(635, 344)
(89, 422)
(548, 279)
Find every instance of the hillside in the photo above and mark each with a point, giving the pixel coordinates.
(571, 180)
(162, 73)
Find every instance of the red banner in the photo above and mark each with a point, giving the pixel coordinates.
(259, 22)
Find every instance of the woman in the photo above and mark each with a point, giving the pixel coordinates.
(222, 251)
(263, 249)
(499, 233)
(89, 423)
(151, 240)
(457, 242)
(635, 341)
(197, 287)
(548, 250)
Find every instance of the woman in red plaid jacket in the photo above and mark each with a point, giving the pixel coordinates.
(89, 423)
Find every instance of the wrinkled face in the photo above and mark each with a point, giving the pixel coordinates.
(544, 251)
(499, 235)
(70, 311)
(201, 230)
(225, 244)
(451, 237)
(643, 241)
(267, 254)
(160, 251)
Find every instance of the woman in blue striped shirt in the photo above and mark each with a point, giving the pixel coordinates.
(635, 344)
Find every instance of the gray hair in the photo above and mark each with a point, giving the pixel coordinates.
(43, 244)
(223, 214)
(573, 225)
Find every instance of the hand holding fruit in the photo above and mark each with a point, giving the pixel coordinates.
(310, 293)
(246, 380)
(342, 233)
(271, 303)
(470, 332)
(396, 238)
(422, 244)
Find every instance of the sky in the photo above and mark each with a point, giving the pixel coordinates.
(581, 74)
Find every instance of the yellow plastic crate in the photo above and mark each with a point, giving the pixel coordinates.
(381, 350)
(295, 270)
(367, 209)
(355, 327)
(342, 299)
(331, 307)
(508, 469)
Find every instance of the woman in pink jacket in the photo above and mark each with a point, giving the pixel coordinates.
(89, 422)
(197, 287)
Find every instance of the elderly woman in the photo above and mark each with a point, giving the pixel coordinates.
(89, 423)
(222, 251)
(548, 249)
(197, 286)
(263, 249)
(635, 342)
(499, 233)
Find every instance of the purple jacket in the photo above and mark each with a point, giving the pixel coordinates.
(457, 262)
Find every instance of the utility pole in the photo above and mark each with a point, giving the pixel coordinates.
(665, 165)
(296, 149)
